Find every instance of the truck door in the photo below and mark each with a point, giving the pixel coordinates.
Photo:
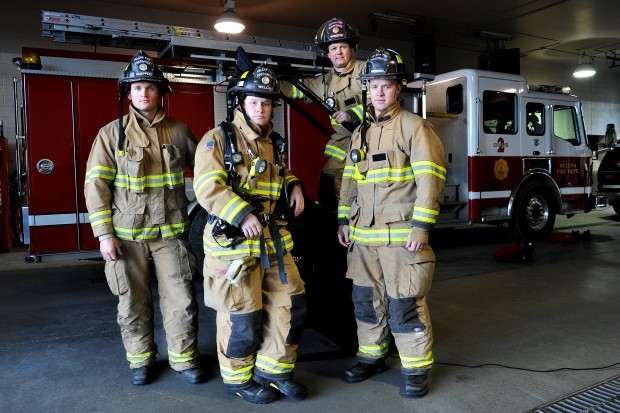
(536, 127)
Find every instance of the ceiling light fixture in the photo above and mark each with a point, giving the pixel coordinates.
(229, 21)
(585, 68)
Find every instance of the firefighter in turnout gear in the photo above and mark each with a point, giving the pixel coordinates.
(135, 195)
(340, 89)
(250, 277)
(389, 202)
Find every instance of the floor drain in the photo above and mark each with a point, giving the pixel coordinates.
(600, 398)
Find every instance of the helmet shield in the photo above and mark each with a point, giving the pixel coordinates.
(260, 82)
(336, 30)
(142, 68)
(385, 64)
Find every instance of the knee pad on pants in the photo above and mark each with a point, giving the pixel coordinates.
(245, 334)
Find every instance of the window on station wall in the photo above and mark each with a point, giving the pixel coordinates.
(535, 120)
(499, 112)
(565, 124)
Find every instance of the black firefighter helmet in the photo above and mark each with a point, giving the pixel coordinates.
(142, 68)
(259, 82)
(386, 64)
(336, 30)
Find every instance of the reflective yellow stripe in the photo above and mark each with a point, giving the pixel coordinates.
(219, 176)
(388, 175)
(232, 208)
(297, 93)
(139, 358)
(343, 211)
(352, 172)
(183, 357)
(358, 111)
(170, 180)
(380, 350)
(270, 365)
(241, 375)
(100, 217)
(100, 171)
(335, 152)
(368, 236)
(428, 167)
(290, 178)
(247, 247)
(424, 214)
(417, 362)
(267, 189)
(149, 233)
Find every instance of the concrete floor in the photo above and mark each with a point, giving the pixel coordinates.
(499, 329)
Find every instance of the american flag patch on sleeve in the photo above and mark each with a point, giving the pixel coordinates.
(209, 146)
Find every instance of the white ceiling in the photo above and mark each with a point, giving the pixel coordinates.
(541, 29)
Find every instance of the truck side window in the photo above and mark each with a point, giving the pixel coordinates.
(535, 120)
(565, 124)
(454, 99)
(499, 112)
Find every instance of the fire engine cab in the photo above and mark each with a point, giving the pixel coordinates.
(517, 154)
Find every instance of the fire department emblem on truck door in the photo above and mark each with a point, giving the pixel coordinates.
(501, 144)
(501, 169)
(45, 166)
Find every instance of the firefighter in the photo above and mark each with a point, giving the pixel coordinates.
(340, 89)
(135, 195)
(250, 277)
(391, 189)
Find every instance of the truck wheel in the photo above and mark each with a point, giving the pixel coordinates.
(195, 237)
(534, 214)
(616, 204)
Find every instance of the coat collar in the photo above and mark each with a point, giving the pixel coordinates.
(386, 115)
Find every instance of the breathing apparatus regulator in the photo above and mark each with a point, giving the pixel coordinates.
(142, 68)
(381, 64)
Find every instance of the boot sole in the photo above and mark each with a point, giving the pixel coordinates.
(413, 395)
(378, 370)
(251, 400)
(268, 383)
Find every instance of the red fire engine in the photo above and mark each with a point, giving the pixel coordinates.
(517, 154)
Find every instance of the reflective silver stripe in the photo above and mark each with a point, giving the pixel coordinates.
(489, 194)
(573, 191)
(51, 219)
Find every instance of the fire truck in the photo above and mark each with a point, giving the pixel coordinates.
(517, 154)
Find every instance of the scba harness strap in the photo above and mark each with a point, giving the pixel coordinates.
(232, 158)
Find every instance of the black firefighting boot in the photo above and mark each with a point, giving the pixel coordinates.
(287, 387)
(252, 392)
(415, 386)
(195, 375)
(361, 371)
(142, 375)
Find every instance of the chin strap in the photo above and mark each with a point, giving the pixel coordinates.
(121, 129)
